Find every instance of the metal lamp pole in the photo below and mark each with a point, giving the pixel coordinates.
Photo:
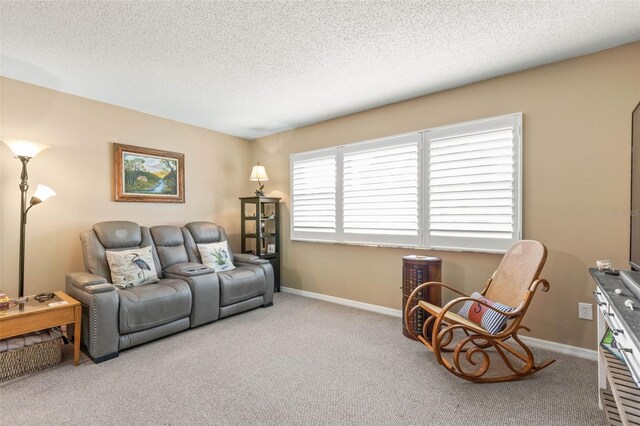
(24, 186)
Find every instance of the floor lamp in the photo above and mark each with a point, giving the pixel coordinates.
(25, 151)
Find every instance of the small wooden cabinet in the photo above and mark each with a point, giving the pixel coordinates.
(417, 270)
(260, 231)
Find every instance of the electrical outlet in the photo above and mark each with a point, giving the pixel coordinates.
(585, 311)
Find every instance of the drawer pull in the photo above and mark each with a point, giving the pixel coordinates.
(628, 350)
(597, 293)
(617, 331)
(629, 304)
(602, 303)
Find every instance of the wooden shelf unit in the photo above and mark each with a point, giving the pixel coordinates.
(259, 227)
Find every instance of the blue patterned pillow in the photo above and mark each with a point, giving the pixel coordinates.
(486, 318)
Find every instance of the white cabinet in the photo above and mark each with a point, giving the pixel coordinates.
(618, 381)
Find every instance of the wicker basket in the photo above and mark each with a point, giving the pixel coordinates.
(30, 358)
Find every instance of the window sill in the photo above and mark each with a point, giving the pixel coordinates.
(400, 246)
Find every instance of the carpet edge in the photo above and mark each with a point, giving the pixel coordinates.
(562, 348)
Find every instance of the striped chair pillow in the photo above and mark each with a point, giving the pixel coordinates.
(486, 318)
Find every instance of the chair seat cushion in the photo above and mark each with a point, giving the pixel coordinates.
(241, 284)
(151, 305)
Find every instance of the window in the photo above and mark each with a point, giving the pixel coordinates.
(474, 184)
(455, 187)
(381, 191)
(314, 200)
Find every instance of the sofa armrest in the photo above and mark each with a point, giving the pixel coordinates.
(188, 269)
(249, 258)
(99, 288)
(100, 305)
(267, 269)
(84, 280)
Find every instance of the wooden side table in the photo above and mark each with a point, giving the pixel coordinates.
(417, 270)
(39, 316)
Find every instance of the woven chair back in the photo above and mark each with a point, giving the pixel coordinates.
(518, 269)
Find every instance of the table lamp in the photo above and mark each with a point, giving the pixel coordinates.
(258, 173)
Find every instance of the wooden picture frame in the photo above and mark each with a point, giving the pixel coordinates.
(147, 175)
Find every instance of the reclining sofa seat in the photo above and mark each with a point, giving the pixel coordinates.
(247, 286)
(115, 319)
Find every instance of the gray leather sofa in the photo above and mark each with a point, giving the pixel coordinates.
(187, 295)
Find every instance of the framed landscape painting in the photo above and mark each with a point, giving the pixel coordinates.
(148, 175)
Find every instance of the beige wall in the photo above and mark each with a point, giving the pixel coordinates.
(576, 168)
(78, 167)
(577, 116)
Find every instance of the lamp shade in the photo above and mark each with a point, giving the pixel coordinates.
(24, 148)
(43, 192)
(258, 173)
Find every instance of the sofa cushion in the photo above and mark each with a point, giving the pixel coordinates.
(202, 233)
(118, 234)
(170, 245)
(151, 305)
(240, 284)
(205, 232)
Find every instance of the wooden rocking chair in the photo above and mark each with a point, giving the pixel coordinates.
(513, 284)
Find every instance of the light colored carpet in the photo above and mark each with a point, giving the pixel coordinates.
(301, 361)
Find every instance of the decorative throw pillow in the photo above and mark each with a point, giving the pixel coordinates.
(216, 256)
(132, 267)
(486, 318)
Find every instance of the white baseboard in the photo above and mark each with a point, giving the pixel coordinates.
(347, 302)
(561, 348)
(532, 341)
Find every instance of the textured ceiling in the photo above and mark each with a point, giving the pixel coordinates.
(250, 69)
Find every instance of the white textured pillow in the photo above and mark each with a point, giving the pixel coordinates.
(132, 267)
(216, 256)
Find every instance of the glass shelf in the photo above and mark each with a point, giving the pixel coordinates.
(32, 305)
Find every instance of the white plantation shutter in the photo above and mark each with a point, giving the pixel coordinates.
(313, 195)
(474, 184)
(456, 187)
(381, 191)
